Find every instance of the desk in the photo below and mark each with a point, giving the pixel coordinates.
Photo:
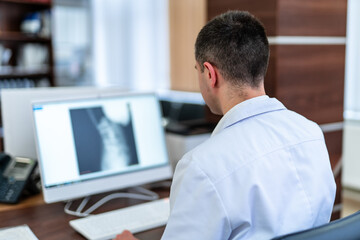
(49, 221)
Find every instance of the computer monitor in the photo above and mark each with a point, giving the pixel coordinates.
(178, 106)
(17, 114)
(97, 144)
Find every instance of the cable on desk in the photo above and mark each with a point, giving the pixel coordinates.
(144, 194)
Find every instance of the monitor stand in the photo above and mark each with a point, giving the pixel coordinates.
(142, 193)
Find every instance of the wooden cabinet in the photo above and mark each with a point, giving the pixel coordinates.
(290, 17)
(186, 18)
(26, 56)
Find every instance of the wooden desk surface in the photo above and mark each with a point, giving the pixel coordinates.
(49, 221)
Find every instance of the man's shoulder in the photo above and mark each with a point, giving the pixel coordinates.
(240, 143)
(215, 157)
(303, 123)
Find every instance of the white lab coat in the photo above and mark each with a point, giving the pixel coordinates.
(264, 172)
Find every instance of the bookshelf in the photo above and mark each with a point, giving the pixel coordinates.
(26, 53)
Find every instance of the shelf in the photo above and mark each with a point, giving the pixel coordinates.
(22, 72)
(29, 3)
(19, 75)
(22, 37)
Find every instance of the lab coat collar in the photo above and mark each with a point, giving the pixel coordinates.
(246, 109)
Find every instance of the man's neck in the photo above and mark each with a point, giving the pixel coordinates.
(234, 97)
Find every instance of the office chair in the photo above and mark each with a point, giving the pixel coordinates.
(347, 228)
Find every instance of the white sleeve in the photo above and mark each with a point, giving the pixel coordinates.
(196, 209)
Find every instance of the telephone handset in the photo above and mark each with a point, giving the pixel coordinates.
(15, 177)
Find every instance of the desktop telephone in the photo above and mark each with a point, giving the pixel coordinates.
(16, 177)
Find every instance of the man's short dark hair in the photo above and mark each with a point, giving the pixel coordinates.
(236, 43)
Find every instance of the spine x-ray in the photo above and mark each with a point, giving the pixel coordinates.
(104, 138)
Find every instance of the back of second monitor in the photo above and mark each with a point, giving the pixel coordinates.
(17, 114)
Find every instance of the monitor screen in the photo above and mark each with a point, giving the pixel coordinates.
(97, 144)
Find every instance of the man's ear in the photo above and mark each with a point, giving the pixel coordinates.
(211, 73)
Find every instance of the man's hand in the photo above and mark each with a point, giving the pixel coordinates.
(125, 235)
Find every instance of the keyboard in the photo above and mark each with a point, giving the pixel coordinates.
(135, 218)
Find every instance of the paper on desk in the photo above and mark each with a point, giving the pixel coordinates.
(19, 232)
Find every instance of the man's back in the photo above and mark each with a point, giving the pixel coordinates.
(264, 172)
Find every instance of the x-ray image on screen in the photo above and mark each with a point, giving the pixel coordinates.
(104, 138)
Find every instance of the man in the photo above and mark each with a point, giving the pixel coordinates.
(265, 171)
